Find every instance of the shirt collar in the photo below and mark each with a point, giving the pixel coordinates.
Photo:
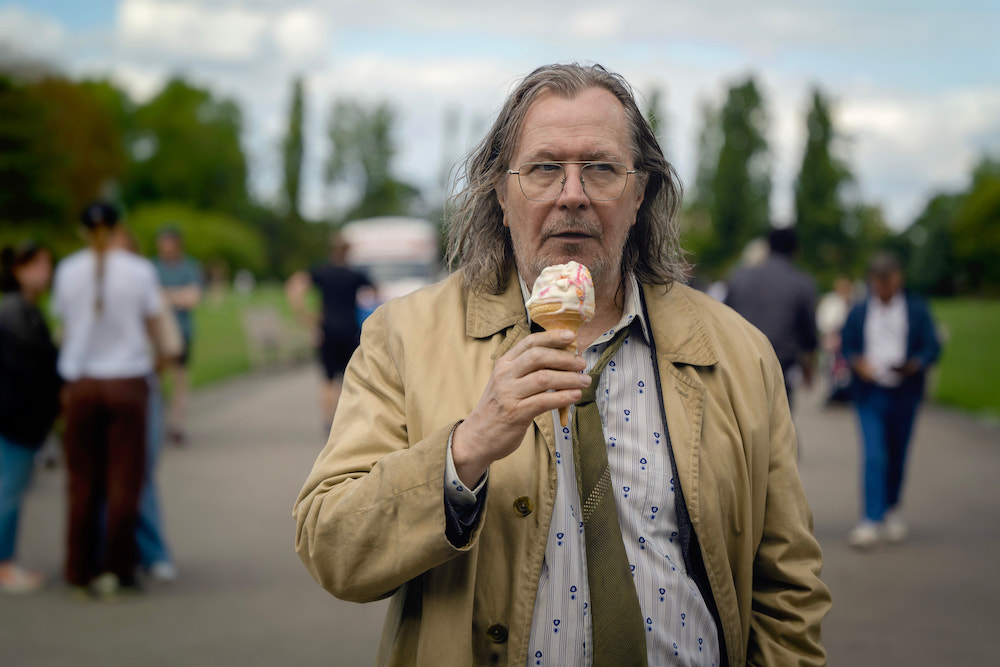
(632, 309)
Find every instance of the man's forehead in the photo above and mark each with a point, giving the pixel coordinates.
(552, 119)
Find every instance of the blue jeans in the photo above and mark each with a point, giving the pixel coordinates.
(16, 465)
(149, 530)
(886, 418)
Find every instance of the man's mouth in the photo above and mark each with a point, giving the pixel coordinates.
(571, 236)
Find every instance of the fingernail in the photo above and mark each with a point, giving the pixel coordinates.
(567, 334)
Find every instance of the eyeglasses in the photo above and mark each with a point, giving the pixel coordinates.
(544, 181)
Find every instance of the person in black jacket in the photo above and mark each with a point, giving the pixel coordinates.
(29, 394)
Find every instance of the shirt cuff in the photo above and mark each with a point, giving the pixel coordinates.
(457, 493)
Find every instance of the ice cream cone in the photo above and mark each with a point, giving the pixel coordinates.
(543, 315)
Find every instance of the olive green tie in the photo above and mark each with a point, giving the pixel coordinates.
(618, 631)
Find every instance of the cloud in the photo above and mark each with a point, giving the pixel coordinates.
(31, 34)
(191, 29)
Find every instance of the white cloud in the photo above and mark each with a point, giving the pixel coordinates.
(191, 29)
(301, 34)
(31, 34)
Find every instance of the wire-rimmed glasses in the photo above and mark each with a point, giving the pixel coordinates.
(544, 181)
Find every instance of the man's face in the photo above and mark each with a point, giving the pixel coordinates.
(588, 127)
(168, 247)
(886, 286)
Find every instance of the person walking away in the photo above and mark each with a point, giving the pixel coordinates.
(181, 278)
(337, 328)
(780, 300)
(29, 395)
(154, 551)
(890, 342)
(107, 300)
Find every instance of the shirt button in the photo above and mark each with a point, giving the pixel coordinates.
(523, 506)
(497, 633)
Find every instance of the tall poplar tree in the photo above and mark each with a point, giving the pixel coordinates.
(293, 153)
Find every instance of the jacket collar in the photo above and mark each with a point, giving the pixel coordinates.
(678, 332)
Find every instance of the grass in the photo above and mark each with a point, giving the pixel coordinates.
(969, 370)
(222, 347)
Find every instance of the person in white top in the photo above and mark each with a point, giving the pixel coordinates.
(107, 300)
(889, 341)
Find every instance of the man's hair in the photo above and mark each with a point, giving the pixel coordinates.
(783, 241)
(478, 242)
(884, 263)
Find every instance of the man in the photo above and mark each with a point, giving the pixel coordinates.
(890, 342)
(337, 328)
(449, 484)
(180, 276)
(780, 300)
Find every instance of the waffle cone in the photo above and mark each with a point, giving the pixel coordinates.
(566, 320)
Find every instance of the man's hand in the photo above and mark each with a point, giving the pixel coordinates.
(911, 367)
(537, 375)
(863, 369)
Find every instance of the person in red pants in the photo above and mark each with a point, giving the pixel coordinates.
(107, 300)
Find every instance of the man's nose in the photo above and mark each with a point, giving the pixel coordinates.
(573, 195)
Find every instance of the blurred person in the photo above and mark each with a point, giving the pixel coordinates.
(181, 278)
(780, 300)
(890, 342)
(449, 483)
(29, 395)
(336, 330)
(107, 300)
(154, 552)
(831, 313)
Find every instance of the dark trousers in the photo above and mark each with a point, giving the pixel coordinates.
(105, 443)
(886, 418)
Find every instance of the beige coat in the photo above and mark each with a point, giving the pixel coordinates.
(371, 518)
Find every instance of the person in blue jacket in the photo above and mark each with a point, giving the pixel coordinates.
(890, 342)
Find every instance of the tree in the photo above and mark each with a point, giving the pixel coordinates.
(975, 231)
(185, 147)
(293, 153)
(740, 185)
(361, 159)
(657, 119)
(932, 268)
(819, 211)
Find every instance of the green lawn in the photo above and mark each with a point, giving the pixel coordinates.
(222, 347)
(969, 371)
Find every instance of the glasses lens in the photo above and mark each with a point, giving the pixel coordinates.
(543, 181)
(604, 180)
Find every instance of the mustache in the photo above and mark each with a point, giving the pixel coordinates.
(572, 224)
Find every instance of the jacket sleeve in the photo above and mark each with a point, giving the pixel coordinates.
(852, 337)
(788, 601)
(372, 515)
(927, 347)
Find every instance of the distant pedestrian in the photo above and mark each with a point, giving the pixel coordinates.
(29, 395)
(890, 342)
(181, 278)
(107, 299)
(337, 328)
(780, 300)
(831, 313)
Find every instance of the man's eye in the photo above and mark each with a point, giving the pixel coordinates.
(548, 167)
(601, 166)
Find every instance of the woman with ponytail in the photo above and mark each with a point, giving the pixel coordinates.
(29, 394)
(108, 300)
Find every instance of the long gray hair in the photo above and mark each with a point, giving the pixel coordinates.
(478, 242)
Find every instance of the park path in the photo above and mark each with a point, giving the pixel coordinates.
(244, 598)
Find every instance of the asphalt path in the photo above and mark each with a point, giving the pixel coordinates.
(243, 597)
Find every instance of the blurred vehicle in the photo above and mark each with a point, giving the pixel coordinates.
(398, 254)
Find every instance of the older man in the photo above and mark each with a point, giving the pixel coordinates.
(449, 484)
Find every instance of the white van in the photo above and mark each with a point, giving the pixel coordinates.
(398, 254)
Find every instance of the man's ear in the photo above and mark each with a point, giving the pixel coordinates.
(502, 200)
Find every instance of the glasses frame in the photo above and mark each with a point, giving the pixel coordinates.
(562, 185)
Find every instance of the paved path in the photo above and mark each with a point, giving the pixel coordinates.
(244, 599)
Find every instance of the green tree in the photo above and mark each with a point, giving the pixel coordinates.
(186, 147)
(932, 268)
(361, 157)
(975, 231)
(293, 152)
(820, 214)
(741, 183)
(657, 119)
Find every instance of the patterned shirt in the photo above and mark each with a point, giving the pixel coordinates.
(680, 628)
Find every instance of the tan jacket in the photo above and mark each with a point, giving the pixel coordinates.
(371, 517)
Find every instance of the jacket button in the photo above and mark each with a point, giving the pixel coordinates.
(497, 633)
(523, 506)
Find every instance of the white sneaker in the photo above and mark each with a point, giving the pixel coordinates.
(895, 529)
(16, 580)
(865, 535)
(163, 572)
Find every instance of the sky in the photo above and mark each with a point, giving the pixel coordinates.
(915, 84)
